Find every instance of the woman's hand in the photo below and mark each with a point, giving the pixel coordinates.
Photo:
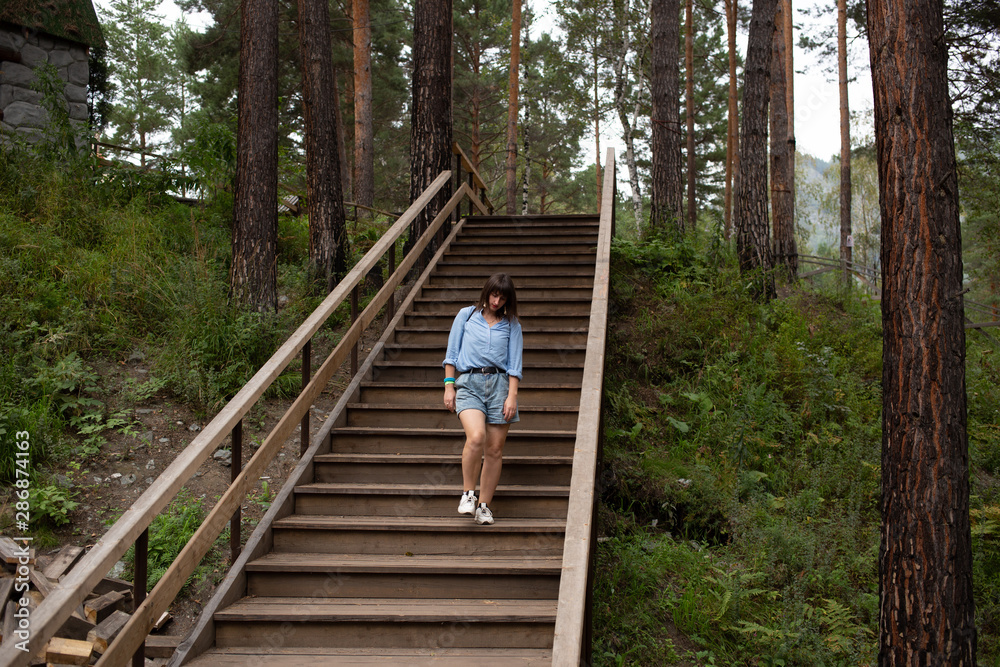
(449, 396)
(509, 407)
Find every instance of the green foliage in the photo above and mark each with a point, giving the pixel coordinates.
(51, 504)
(169, 533)
(743, 441)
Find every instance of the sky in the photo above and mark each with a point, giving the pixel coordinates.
(817, 102)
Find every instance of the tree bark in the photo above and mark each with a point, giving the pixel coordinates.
(790, 104)
(782, 205)
(733, 134)
(628, 127)
(753, 243)
(364, 141)
(667, 186)
(513, 85)
(692, 213)
(597, 130)
(845, 142)
(925, 559)
(253, 273)
(431, 121)
(327, 227)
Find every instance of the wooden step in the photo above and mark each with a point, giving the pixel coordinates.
(401, 576)
(529, 235)
(447, 535)
(373, 440)
(436, 469)
(444, 318)
(387, 622)
(380, 498)
(526, 308)
(239, 656)
(558, 417)
(470, 294)
(482, 270)
(426, 371)
(533, 351)
(570, 336)
(522, 247)
(522, 281)
(429, 392)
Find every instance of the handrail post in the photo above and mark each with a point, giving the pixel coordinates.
(306, 376)
(139, 588)
(457, 213)
(354, 318)
(235, 466)
(391, 305)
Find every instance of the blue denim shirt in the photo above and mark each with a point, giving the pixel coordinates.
(473, 343)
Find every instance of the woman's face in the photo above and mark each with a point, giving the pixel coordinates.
(497, 300)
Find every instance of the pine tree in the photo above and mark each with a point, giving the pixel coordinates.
(138, 48)
(667, 187)
(926, 613)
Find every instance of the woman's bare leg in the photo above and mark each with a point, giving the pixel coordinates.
(474, 423)
(496, 436)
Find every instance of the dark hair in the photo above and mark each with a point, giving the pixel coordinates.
(500, 282)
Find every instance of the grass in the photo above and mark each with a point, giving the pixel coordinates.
(740, 505)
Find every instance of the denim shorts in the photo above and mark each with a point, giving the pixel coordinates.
(486, 393)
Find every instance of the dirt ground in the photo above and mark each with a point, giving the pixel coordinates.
(109, 482)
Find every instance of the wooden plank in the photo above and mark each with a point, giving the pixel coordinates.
(6, 586)
(162, 646)
(99, 560)
(63, 561)
(100, 608)
(12, 553)
(68, 651)
(108, 584)
(567, 649)
(199, 544)
(75, 627)
(41, 582)
(9, 621)
(104, 633)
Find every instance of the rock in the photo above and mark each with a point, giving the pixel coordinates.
(164, 440)
(194, 428)
(137, 356)
(97, 480)
(117, 570)
(150, 464)
(62, 481)
(114, 475)
(282, 301)
(223, 456)
(61, 58)
(78, 111)
(25, 115)
(147, 437)
(149, 480)
(128, 480)
(18, 75)
(179, 423)
(144, 411)
(141, 371)
(79, 74)
(75, 93)
(32, 56)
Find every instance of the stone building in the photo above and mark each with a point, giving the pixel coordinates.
(35, 32)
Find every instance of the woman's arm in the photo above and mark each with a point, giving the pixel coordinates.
(510, 405)
(449, 388)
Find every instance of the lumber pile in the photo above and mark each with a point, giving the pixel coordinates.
(27, 578)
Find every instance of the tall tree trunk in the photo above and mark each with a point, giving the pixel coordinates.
(327, 227)
(782, 206)
(845, 143)
(753, 243)
(431, 121)
(526, 177)
(345, 172)
(515, 59)
(253, 273)
(597, 130)
(667, 186)
(733, 134)
(790, 105)
(364, 141)
(692, 212)
(925, 559)
(628, 128)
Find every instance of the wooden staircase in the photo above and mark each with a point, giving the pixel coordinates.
(368, 561)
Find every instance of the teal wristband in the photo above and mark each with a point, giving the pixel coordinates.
(451, 380)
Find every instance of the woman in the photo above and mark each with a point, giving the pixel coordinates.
(485, 348)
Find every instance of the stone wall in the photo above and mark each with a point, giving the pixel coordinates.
(20, 106)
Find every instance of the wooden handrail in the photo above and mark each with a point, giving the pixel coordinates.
(71, 592)
(572, 613)
(478, 181)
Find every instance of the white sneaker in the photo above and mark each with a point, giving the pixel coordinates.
(467, 505)
(484, 515)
